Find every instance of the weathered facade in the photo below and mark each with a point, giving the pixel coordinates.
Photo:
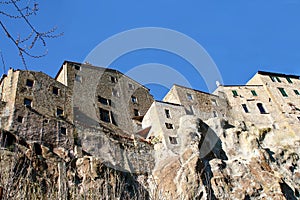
(36, 107)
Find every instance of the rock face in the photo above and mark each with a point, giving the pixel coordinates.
(215, 160)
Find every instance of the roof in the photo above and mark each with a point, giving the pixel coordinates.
(96, 67)
(144, 133)
(277, 74)
(174, 104)
(195, 90)
(242, 85)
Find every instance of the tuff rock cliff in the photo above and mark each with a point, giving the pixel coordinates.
(215, 160)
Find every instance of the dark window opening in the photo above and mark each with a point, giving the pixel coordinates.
(113, 79)
(169, 126)
(245, 108)
(77, 67)
(20, 119)
(104, 101)
(104, 115)
(261, 108)
(282, 91)
(215, 114)
(253, 92)
(189, 96)
(167, 112)
(29, 83)
(55, 90)
(234, 92)
(59, 112)
(173, 140)
(133, 99)
(289, 79)
(298, 118)
(27, 102)
(278, 79)
(296, 92)
(63, 130)
(130, 86)
(136, 112)
(272, 78)
(46, 121)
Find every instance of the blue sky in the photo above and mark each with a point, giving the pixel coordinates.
(240, 36)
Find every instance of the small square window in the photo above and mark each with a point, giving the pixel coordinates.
(234, 92)
(245, 108)
(59, 112)
(133, 99)
(189, 96)
(104, 101)
(20, 119)
(104, 115)
(115, 93)
(136, 112)
(63, 130)
(27, 102)
(253, 92)
(282, 91)
(113, 79)
(296, 92)
(29, 83)
(55, 90)
(169, 126)
(167, 112)
(78, 78)
(289, 80)
(214, 102)
(77, 67)
(173, 140)
(131, 86)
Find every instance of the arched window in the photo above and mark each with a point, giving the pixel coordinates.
(261, 108)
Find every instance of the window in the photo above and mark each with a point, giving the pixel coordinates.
(59, 112)
(296, 92)
(113, 79)
(63, 130)
(78, 78)
(77, 67)
(278, 79)
(189, 96)
(29, 83)
(167, 112)
(253, 92)
(272, 78)
(234, 92)
(282, 91)
(173, 140)
(245, 108)
(133, 99)
(20, 119)
(169, 126)
(261, 108)
(131, 86)
(215, 114)
(136, 112)
(289, 80)
(55, 90)
(214, 102)
(27, 102)
(104, 115)
(104, 101)
(115, 92)
(298, 118)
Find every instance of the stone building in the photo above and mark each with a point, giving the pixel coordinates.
(268, 100)
(36, 107)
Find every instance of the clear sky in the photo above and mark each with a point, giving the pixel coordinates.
(241, 37)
